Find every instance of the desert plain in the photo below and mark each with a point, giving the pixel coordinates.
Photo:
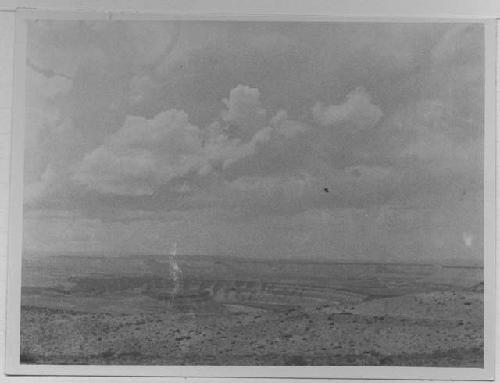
(128, 310)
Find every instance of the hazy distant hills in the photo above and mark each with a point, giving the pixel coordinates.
(129, 310)
(366, 278)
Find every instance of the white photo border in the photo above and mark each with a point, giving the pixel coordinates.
(12, 363)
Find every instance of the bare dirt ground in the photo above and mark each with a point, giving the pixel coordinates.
(131, 320)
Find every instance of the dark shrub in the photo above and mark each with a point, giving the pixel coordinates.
(387, 361)
(27, 358)
(295, 360)
(107, 354)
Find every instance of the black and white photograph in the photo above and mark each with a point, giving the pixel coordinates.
(233, 192)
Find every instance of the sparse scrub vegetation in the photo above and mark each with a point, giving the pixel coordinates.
(126, 326)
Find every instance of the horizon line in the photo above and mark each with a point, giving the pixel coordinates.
(445, 263)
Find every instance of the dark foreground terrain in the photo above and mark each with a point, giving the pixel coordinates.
(126, 310)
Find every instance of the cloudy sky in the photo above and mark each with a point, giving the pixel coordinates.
(340, 141)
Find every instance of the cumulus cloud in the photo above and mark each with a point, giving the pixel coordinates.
(278, 164)
(142, 155)
(146, 154)
(262, 147)
(357, 110)
(223, 151)
(274, 150)
(288, 162)
(244, 111)
(244, 141)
